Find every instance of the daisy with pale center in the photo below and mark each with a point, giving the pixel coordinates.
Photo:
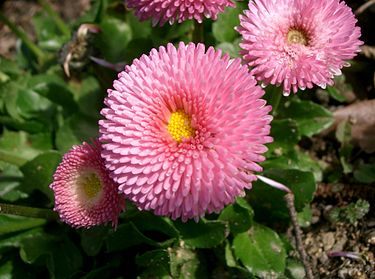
(89, 186)
(183, 131)
(172, 11)
(298, 43)
(85, 196)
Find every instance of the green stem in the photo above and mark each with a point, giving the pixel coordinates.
(11, 159)
(28, 211)
(198, 34)
(55, 16)
(23, 36)
(275, 101)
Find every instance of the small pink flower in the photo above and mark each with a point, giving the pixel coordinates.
(183, 130)
(298, 43)
(162, 11)
(85, 196)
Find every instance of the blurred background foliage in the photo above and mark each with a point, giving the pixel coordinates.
(43, 112)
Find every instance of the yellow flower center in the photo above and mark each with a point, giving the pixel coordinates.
(91, 185)
(296, 36)
(179, 126)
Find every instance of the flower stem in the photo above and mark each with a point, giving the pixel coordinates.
(28, 211)
(23, 36)
(55, 16)
(198, 34)
(289, 198)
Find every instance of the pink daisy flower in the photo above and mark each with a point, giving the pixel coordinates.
(298, 43)
(85, 196)
(161, 11)
(183, 130)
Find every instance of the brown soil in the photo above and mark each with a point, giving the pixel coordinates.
(21, 13)
(325, 236)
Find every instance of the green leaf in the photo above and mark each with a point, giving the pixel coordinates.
(365, 173)
(75, 130)
(60, 255)
(147, 221)
(49, 36)
(233, 49)
(335, 94)
(343, 132)
(140, 29)
(127, 235)
(31, 126)
(20, 147)
(156, 263)
(239, 218)
(304, 217)
(55, 89)
(174, 33)
(260, 250)
(32, 105)
(223, 27)
(10, 178)
(295, 159)
(92, 239)
(10, 67)
(294, 269)
(268, 202)
(186, 264)
(95, 14)
(39, 171)
(310, 117)
(343, 135)
(89, 96)
(229, 257)
(112, 40)
(16, 240)
(13, 268)
(22, 103)
(137, 47)
(285, 135)
(351, 213)
(12, 223)
(204, 234)
(25, 109)
(6, 270)
(107, 271)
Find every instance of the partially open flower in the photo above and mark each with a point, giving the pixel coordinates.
(177, 10)
(183, 130)
(298, 43)
(85, 196)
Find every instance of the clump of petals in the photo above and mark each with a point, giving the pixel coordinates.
(85, 195)
(298, 43)
(183, 131)
(177, 10)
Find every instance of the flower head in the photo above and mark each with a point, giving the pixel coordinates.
(177, 10)
(298, 43)
(183, 130)
(85, 196)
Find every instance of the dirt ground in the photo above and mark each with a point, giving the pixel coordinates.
(22, 11)
(356, 240)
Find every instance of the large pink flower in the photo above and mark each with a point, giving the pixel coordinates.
(183, 130)
(162, 11)
(298, 43)
(85, 195)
